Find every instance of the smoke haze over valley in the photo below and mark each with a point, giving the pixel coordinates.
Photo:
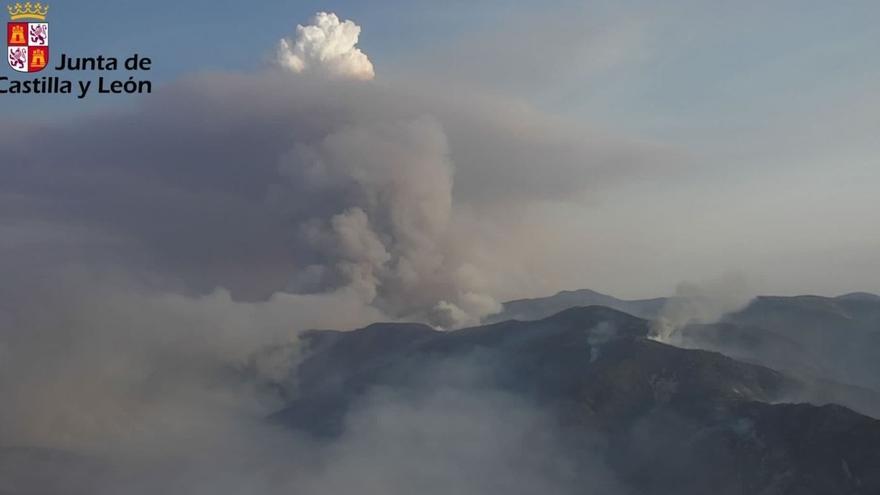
(330, 271)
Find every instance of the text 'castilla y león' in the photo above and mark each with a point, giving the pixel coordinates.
(51, 84)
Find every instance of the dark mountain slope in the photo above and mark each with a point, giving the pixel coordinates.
(813, 316)
(836, 339)
(664, 419)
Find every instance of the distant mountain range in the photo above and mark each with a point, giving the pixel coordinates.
(833, 338)
(542, 307)
(836, 338)
(663, 419)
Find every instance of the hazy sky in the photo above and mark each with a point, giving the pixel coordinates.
(756, 122)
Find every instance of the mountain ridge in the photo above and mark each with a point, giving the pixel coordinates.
(596, 372)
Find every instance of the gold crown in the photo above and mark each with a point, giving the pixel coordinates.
(36, 11)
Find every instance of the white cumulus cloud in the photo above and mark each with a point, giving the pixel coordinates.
(326, 46)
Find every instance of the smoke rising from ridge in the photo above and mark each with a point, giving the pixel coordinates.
(705, 302)
(393, 241)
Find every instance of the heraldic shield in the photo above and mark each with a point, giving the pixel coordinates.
(27, 37)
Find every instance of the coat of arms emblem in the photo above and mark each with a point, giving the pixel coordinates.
(27, 37)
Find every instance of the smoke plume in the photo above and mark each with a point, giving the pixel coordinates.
(393, 240)
(150, 255)
(705, 302)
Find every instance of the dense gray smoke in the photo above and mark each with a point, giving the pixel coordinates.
(393, 240)
(150, 253)
(283, 183)
(272, 184)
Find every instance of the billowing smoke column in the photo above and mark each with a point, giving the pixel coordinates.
(389, 238)
(326, 46)
(309, 180)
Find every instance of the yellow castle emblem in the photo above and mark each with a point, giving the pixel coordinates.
(38, 58)
(17, 37)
